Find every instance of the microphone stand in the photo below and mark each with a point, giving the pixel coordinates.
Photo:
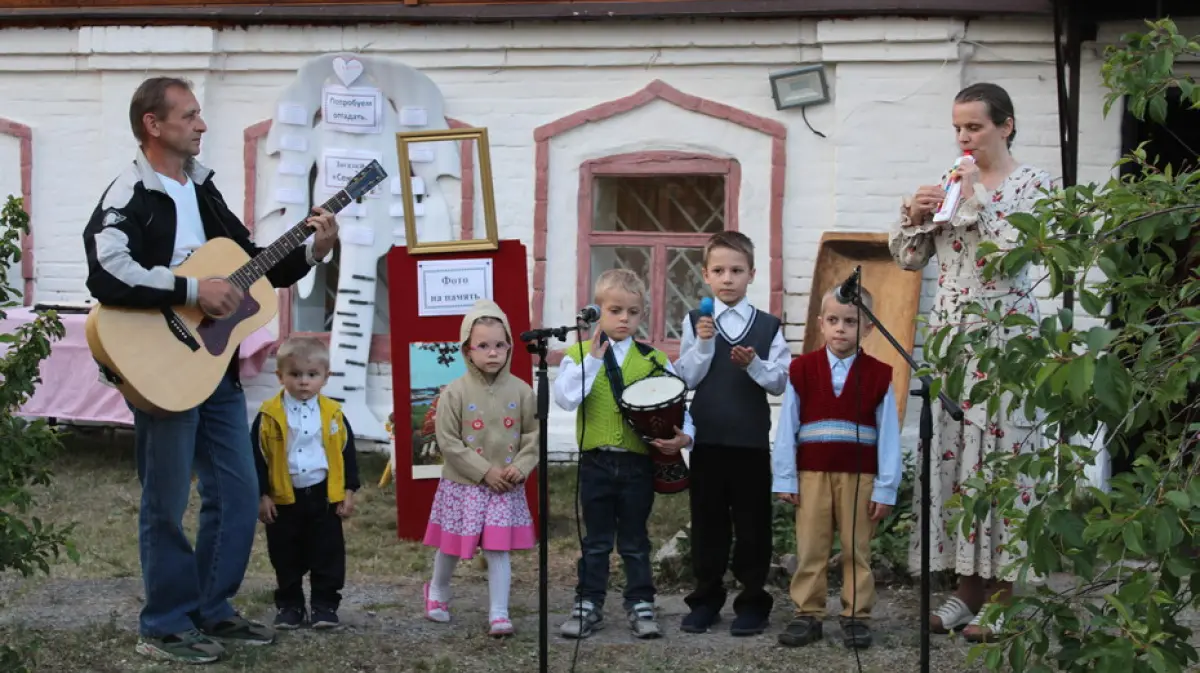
(926, 433)
(537, 342)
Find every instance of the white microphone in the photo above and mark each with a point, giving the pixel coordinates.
(588, 314)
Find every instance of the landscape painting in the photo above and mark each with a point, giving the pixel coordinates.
(433, 365)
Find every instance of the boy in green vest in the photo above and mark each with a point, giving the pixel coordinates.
(616, 473)
(307, 476)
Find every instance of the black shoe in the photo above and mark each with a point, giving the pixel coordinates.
(748, 624)
(699, 620)
(800, 632)
(856, 635)
(324, 618)
(289, 619)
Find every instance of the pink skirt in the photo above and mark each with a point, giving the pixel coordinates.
(469, 517)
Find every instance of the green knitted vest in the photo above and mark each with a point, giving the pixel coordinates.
(605, 425)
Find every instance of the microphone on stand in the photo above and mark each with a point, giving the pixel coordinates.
(588, 314)
(848, 290)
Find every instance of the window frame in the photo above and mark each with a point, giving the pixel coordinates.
(660, 163)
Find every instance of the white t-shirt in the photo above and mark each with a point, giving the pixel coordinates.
(189, 228)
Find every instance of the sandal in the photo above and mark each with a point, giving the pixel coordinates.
(436, 611)
(984, 632)
(955, 616)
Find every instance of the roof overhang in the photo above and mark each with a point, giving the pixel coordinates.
(246, 12)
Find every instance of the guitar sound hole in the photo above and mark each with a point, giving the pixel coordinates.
(215, 333)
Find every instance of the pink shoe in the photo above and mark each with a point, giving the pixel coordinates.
(500, 628)
(435, 611)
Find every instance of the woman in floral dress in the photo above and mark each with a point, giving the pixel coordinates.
(994, 186)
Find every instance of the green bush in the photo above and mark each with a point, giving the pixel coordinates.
(26, 447)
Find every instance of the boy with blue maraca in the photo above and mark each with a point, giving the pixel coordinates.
(732, 355)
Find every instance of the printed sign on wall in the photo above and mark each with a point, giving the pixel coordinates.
(354, 110)
(452, 286)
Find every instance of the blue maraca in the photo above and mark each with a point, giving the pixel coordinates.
(706, 306)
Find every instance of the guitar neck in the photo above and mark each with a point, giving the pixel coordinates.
(266, 260)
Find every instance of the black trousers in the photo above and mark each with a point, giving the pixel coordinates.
(730, 492)
(306, 538)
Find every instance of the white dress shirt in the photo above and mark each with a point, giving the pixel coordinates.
(887, 424)
(569, 392)
(733, 322)
(306, 453)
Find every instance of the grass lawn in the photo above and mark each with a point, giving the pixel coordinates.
(83, 616)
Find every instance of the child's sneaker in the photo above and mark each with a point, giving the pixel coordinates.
(585, 619)
(803, 630)
(436, 611)
(642, 621)
(500, 628)
(241, 630)
(856, 635)
(289, 619)
(189, 647)
(324, 618)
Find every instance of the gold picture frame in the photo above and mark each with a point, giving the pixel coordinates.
(484, 165)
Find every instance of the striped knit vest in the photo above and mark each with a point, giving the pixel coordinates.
(828, 440)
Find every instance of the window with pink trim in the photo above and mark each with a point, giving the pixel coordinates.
(652, 213)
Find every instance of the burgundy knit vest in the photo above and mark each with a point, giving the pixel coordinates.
(827, 440)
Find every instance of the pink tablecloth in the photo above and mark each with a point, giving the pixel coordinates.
(71, 389)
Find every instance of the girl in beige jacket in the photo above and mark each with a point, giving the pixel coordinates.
(487, 432)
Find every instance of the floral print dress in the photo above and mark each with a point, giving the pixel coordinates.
(959, 448)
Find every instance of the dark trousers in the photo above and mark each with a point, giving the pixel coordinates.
(307, 538)
(731, 494)
(616, 492)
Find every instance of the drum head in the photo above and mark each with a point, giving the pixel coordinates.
(652, 392)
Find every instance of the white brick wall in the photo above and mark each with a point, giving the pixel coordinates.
(888, 124)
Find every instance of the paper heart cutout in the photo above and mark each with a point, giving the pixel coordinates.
(347, 71)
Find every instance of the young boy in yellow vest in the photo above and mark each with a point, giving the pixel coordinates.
(307, 475)
(616, 473)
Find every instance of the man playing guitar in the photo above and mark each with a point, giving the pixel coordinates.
(160, 208)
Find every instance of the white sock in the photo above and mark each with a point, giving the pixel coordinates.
(443, 569)
(499, 582)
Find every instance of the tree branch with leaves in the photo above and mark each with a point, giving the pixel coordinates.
(27, 545)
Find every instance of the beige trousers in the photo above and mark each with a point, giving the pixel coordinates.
(826, 503)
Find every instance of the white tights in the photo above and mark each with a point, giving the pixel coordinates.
(499, 579)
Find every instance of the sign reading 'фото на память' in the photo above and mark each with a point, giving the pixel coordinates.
(452, 286)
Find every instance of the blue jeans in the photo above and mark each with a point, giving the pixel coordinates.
(185, 588)
(616, 491)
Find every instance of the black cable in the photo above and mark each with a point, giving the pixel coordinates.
(858, 474)
(578, 472)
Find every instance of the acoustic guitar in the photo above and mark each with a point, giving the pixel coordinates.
(171, 359)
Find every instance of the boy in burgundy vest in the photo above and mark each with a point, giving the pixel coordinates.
(837, 458)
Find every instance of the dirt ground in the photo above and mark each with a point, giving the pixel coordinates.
(83, 617)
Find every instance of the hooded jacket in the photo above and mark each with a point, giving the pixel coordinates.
(482, 424)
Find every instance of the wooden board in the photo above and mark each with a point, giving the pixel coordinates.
(896, 293)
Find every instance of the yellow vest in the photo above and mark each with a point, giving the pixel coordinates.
(272, 441)
(605, 424)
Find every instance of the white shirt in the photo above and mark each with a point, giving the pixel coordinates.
(569, 393)
(306, 454)
(733, 322)
(189, 228)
